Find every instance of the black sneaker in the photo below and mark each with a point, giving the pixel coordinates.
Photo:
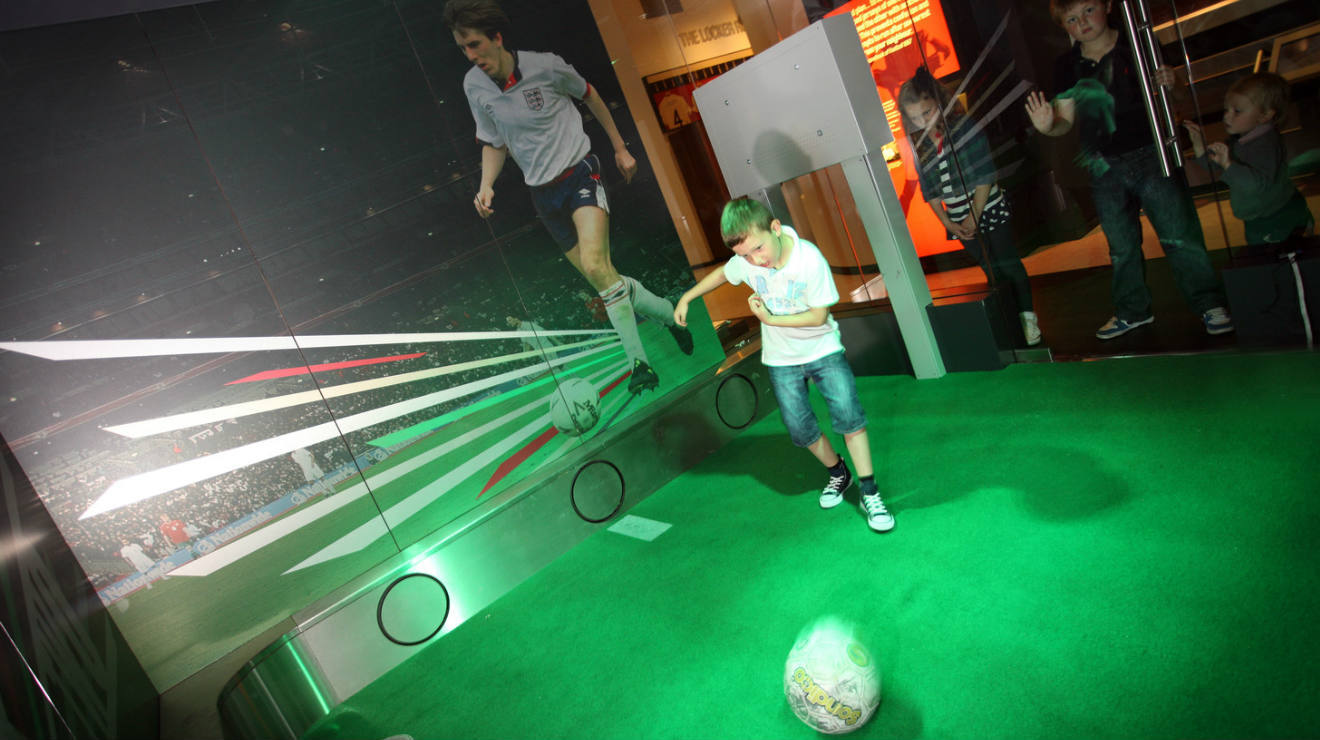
(682, 336)
(832, 494)
(643, 378)
(877, 516)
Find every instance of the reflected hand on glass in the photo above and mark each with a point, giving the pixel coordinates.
(627, 165)
(1165, 77)
(1218, 153)
(483, 200)
(1198, 138)
(1040, 110)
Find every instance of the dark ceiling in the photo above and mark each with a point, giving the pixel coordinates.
(16, 14)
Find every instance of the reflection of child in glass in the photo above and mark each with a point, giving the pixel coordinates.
(1101, 92)
(1255, 165)
(958, 181)
(793, 291)
(522, 103)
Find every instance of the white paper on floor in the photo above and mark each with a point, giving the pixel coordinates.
(639, 527)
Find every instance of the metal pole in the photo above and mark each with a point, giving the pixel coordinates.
(1170, 136)
(1196, 111)
(1143, 76)
(896, 256)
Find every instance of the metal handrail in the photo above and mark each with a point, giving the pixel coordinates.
(1170, 139)
(1144, 78)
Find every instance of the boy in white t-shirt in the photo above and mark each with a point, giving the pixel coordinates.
(792, 294)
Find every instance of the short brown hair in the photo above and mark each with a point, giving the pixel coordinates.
(483, 16)
(1265, 89)
(1059, 7)
(740, 217)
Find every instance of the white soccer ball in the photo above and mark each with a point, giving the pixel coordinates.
(831, 679)
(575, 407)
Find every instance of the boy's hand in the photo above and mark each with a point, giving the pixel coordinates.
(1040, 111)
(626, 164)
(758, 306)
(1198, 138)
(680, 311)
(965, 229)
(483, 201)
(1218, 153)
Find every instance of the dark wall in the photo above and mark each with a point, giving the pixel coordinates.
(67, 671)
(18, 14)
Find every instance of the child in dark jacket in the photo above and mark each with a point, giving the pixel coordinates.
(1253, 163)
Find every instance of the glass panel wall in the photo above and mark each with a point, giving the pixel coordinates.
(309, 349)
(953, 87)
(1042, 247)
(133, 305)
(1099, 229)
(1225, 50)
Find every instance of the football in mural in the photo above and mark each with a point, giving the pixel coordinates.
(575, 407)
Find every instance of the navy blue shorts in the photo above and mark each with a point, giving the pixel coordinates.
(556, 201)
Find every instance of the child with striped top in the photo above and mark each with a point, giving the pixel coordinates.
(1254, 162)
(958, 180)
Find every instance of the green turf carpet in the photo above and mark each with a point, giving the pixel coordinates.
(1116, 549)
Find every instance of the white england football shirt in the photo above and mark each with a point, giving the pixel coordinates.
(535, 117)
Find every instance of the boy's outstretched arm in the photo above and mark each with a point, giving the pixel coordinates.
(714, 279)
(626, 163)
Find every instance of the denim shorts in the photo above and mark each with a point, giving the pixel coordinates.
(557, 200)
(834, 378)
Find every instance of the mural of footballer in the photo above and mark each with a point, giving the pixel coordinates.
(522, 104)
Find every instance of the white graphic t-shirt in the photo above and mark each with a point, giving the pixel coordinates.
(803, 283)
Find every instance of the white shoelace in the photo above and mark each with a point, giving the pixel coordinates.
(874, 505)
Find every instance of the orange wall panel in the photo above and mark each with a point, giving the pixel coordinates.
(899, 36)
